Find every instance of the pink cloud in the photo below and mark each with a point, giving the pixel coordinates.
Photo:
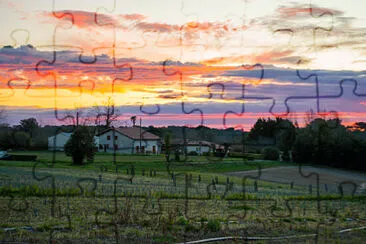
(301, 10)
(83, 19)
(134, 16)
(271, 57)
(157, 27)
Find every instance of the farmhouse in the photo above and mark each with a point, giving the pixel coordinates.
(129, 140)
(57, 142)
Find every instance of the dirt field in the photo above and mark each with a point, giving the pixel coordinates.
(331, 177)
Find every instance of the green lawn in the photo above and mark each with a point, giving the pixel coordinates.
(190, 164)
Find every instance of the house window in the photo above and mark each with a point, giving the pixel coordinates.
(137, 148)
(115, 138)
(142, 149)
(115, 147)
(108, 138)
(154, 149)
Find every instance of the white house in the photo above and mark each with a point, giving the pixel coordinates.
(129, 140)
(200, 147)
(57, 142)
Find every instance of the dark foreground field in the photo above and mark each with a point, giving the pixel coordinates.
(146, 200)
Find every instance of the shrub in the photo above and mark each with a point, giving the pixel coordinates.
(270, 153)
(192, 153)
(213, 225)
(80, 145)
(182, 221)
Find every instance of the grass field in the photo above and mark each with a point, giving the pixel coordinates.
(147, 200)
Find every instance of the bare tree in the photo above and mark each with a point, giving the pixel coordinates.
(309, 116)
(105, 114)
(78, 116)
(133, 120)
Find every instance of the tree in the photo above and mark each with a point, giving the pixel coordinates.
(6, 140)
(270, 153)
(2, 116)
(80, 145)
(330, 143)
(22, 139)
(263, 127)
(167, 142)
(106, 114)
(29, 125)
(358, 126)
(282, 130)
(133, 120)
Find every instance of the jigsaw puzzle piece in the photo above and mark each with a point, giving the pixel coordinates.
(20, 76)
(218, 35)
(88, 86)
(327, 95)
(106, 217)
(265, 103)
(304, 21)
(331, 102)
(85, 25)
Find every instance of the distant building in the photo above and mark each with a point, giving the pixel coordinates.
(57, 142)
(195, 147)
(129, 140)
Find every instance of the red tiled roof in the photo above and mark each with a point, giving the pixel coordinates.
(134, 133)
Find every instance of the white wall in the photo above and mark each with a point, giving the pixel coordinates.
(148, 146)
(125, 144)
(199, 150)
(61, 140)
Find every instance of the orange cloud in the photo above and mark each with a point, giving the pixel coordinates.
(83, 19)
(271, 57)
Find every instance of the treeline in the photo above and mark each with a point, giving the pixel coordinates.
(322, 141)
(28, 134)
(328, 142)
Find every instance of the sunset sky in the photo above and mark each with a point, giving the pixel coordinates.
(191, 62)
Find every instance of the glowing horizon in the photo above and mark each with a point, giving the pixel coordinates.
(60, 55)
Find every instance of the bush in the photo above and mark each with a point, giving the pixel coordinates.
(182, 221)
(270, 153)
(80, 145)
(39, 143)
(192, 153)
(6, 141)
(22, 139)
(213, 225)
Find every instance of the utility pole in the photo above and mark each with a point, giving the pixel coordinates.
(140, 135)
